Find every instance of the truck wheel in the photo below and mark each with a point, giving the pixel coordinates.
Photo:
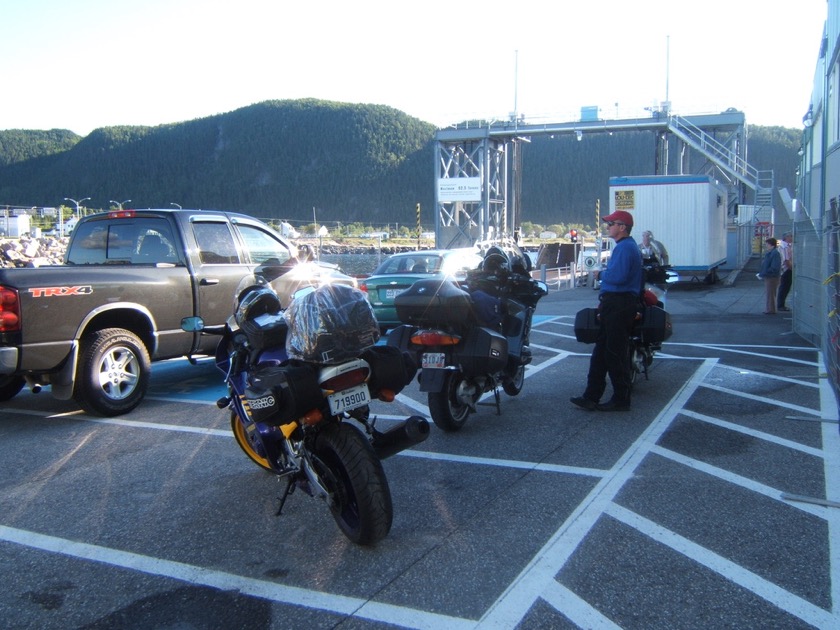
(10, 386)
(113, 373)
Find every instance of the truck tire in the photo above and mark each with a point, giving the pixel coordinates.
(10, 386)
(113, 372)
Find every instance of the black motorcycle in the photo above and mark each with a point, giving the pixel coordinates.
(300, 384)
(471, 338)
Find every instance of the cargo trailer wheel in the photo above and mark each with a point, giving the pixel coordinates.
(113, 372)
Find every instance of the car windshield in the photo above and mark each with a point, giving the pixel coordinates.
(412, 263)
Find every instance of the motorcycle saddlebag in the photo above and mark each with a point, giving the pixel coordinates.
(390, 368)
(587, 325)
(433, 301)
(482, 351)
(279, 394)
(655, 326)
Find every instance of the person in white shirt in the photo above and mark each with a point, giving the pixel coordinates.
(653, 252)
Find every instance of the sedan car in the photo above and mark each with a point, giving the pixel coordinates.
(399, 271)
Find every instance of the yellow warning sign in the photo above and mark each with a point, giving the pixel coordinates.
(625, 200)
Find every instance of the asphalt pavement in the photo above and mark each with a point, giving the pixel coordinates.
(712, 503)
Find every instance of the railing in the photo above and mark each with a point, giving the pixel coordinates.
(722, 155)
(558, 278)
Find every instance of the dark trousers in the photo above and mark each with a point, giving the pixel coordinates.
(611, 354)
(784, 288)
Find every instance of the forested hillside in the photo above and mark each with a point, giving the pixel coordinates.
(352, 163)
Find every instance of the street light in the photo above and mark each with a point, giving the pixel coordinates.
(177, 205)
(119, 204)
(61, 213)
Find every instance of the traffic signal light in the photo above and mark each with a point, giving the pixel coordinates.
(573, 235)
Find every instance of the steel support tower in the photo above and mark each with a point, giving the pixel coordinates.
(478, 169)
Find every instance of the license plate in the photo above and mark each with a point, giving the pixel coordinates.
(348, 399)
(390, 294)
(434, 360)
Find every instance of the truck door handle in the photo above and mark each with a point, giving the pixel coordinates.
(206, 282)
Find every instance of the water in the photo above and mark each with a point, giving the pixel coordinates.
(355, 264)
(361, 264)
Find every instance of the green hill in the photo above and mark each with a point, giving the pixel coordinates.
(281, 159)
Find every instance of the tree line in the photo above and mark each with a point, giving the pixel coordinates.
(348, 163)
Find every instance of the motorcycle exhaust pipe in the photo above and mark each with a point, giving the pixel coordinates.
(408, 433)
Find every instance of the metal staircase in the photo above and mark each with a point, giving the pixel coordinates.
(725, 158)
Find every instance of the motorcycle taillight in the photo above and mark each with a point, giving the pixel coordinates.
(434, 338)
(336, 378)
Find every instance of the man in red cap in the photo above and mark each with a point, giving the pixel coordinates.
(621, 285)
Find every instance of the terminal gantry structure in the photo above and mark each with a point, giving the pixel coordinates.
(479, 166)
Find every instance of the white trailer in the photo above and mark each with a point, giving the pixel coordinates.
(686, 213)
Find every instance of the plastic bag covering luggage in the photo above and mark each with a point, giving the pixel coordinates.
(432, 302)
(587, 325)
(331, 324)
(279, 394)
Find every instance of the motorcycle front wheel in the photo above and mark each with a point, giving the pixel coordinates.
(352, 473)
(447, 409)
(253, 452)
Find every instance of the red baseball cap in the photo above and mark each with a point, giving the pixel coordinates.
(620, 216)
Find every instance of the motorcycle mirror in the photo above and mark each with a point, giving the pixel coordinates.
(192, 324)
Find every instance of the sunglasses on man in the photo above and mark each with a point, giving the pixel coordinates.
(612, 223)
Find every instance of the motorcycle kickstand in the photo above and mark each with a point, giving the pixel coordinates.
(498, 401)
(289, 490)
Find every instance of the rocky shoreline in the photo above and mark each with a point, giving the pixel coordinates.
(49, 250)
(32, 252)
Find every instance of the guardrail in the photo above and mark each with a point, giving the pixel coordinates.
(558, 278)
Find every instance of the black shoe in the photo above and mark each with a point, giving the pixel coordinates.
(584, 403)
(783, 308)
(612, 405)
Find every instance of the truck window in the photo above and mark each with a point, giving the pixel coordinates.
(155, 246)
(119, 242)
(215, 243)
(263, 246)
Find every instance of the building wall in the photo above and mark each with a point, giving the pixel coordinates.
(816, 281)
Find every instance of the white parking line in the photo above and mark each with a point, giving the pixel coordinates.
(509, 609)
(340, 604)
(537, 580)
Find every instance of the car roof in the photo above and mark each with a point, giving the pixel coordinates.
(436, 252)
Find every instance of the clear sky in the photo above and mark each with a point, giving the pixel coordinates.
(83, 64)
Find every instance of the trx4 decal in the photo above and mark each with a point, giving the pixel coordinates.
(60, 291)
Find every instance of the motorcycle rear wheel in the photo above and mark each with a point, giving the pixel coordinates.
(249, 449)
(352, 473)
(513, 386)
(447, 410)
